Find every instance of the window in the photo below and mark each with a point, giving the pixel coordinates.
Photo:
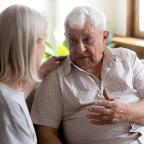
(136, 18)
(139, 19)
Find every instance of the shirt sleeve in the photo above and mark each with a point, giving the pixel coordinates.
(13, 125)
(47, 105)
(138, 72)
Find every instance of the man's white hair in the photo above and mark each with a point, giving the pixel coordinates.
(79, 15)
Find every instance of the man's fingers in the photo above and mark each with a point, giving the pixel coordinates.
(100, 119)
(100, 110)
(105, 103)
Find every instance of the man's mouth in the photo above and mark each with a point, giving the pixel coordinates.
(85, 56)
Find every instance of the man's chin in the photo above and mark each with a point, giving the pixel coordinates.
(83, 66)
(83, 63)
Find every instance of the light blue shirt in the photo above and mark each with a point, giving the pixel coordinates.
(15, 123)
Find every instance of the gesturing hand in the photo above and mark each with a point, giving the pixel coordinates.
(108, 111)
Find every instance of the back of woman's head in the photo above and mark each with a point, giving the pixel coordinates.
(82, 14)
(20, 27)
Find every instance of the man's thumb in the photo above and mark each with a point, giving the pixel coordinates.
(107, 96)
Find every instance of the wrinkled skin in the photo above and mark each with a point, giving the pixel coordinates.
(108, 111)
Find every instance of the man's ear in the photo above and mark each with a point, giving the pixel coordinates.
(105, 35)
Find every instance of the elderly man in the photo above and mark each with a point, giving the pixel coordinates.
(96, 94)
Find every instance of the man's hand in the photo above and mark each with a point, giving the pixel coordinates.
(109, 110)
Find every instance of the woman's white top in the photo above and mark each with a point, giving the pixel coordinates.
(15, 123)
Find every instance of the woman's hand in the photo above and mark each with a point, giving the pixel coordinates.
(49, 65)
(44, 69)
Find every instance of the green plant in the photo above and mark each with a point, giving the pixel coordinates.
(48, 52)
(110, 42)
(61, 50)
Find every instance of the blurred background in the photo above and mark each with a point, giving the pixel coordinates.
(125, 19)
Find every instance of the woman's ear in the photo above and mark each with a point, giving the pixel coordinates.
(39, 41)
(105, 35)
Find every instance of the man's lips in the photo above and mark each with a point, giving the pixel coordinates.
(84, 56)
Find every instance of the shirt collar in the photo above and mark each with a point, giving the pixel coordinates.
(109, 56)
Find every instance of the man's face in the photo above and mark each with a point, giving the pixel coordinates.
(86, 45)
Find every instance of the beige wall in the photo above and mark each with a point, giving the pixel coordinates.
(115, 11)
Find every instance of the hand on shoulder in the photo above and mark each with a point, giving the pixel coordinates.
(51, 64)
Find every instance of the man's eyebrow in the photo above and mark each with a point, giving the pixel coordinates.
(87, 34)
(70, 35)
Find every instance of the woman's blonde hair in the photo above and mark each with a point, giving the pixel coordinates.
(20, 27)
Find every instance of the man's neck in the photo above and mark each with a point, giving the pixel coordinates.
(96, 70)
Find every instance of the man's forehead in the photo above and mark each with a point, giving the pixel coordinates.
(80, 36)
(84, 31)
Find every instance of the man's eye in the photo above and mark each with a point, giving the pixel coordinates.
(72, 41)
(87, 40)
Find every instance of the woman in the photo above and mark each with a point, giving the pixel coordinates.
(22, 39)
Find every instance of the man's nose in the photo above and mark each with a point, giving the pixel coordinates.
(81, 48)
